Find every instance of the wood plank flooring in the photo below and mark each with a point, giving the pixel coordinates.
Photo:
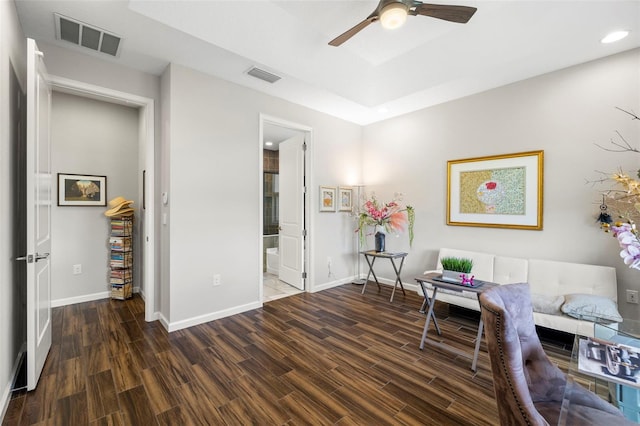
(331, 358)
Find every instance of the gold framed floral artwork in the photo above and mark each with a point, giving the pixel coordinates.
(327, 198)
(500, 191)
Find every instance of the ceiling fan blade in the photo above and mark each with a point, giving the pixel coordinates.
(353, 31)
(459, 14)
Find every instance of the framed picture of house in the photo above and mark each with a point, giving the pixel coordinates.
(345, 199)
(327, 198)
(82, 190)
(501, 191)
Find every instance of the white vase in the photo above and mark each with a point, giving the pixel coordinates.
(452, 276)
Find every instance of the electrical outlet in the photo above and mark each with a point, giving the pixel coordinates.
(632, 296)
(77, 269)
(217, 280)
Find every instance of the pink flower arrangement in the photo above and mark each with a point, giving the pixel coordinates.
(627, 236)
(390, 216)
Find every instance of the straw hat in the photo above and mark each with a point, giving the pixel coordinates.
(119, 207)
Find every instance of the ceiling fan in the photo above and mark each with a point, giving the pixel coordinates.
(393, 13)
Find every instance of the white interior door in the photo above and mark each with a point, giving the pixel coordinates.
(291, 209)
(38, 179)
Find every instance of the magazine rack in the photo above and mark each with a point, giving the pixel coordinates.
(121, 257)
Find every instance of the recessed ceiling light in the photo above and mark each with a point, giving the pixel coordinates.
(268, 143)
(615, 36)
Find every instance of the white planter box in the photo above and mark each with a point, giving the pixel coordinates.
(452, 276)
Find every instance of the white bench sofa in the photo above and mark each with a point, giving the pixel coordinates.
(550, 283)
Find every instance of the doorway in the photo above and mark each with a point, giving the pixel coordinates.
(39, 183)
(283, 158)
(145, 177)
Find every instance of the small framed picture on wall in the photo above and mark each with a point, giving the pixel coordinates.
(82, 190)
(345, 199)
(327, 198)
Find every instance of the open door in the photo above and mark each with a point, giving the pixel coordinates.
(38, 215)
(291, 246)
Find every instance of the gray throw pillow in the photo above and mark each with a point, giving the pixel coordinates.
(546, 304)
(590, 307)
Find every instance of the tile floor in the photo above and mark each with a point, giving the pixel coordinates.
(275, 289)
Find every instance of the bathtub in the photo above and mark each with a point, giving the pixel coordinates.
(273, 260)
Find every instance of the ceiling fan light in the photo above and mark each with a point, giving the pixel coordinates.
(393, 15)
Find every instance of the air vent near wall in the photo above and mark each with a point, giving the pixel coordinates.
(263, 75)
(82, 34)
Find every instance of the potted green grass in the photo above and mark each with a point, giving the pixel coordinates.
(455, 269)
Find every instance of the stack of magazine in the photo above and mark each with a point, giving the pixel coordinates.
(613, 361)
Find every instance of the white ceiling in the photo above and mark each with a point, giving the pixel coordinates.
(426, 62)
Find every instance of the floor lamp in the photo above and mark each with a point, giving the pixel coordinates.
(357, 207)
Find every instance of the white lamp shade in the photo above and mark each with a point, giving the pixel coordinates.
(393, 15)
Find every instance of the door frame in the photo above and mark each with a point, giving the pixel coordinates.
(147, 136)
(308, 265)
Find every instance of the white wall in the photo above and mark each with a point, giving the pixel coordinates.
(12, 55)
(214, 177)
(72, 64)
(94, 138)
(563, 113)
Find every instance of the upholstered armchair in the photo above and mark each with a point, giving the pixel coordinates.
(529, 388)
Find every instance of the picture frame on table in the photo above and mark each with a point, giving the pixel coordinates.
(82, 190)
(499, 191)
(345, 199)
(327, 198)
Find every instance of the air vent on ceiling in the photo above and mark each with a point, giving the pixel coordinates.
(263, 75)
(82, 34)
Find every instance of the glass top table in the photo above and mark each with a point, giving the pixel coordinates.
(607, 364)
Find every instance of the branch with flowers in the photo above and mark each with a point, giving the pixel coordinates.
(390, 216)
(627, 236)
(625, 203)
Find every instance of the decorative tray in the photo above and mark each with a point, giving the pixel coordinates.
(476, 283)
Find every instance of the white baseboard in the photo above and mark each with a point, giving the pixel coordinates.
(6, 394)
(389, 282)
(154, 317)
(87, 298)
(163, 320)
(201, 319)
(80, 299)
(331, 284)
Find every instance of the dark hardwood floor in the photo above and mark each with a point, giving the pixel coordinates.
(333, 357)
